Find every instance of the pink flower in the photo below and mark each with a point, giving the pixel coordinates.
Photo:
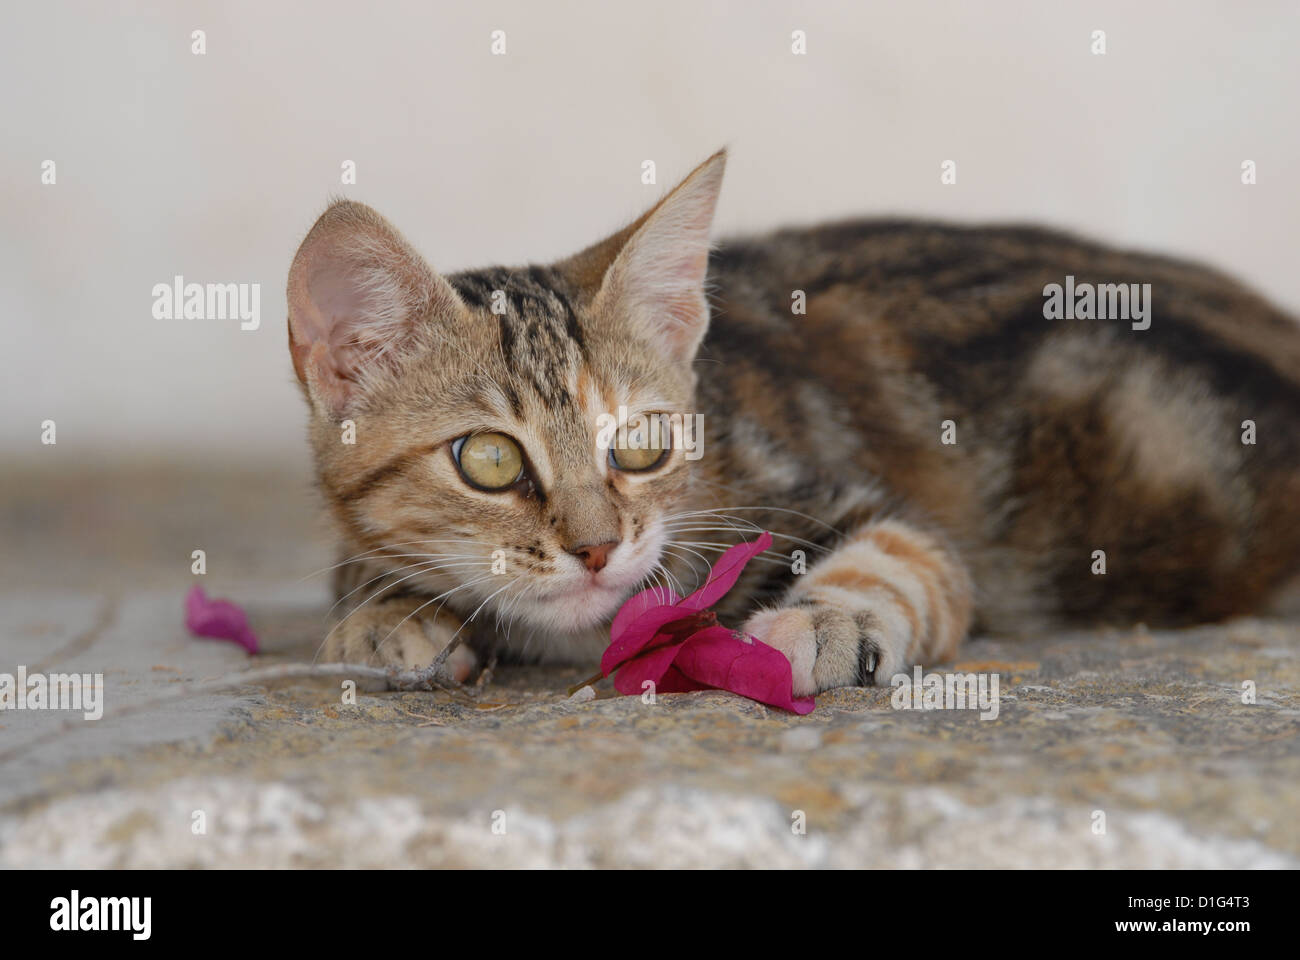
(218, 618)
(678, 644)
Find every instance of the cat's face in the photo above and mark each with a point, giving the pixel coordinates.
(483, 455)
(493, 457)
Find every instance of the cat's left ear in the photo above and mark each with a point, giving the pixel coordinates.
(655, 282)
(357, 294)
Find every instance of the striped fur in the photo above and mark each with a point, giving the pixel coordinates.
(889, 596)
(825, 427)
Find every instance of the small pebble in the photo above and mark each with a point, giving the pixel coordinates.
(582, 696)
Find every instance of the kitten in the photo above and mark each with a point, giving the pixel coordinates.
(937, 452)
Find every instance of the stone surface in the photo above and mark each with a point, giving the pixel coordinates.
(1148, 728)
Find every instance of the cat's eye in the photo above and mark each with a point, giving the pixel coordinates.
(489, 461)
(640, 447)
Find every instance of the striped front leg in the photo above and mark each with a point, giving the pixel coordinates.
(890, 596)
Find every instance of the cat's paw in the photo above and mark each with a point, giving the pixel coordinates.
(393, 634)
(828, 646)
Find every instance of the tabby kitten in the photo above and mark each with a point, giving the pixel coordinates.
(939, 454)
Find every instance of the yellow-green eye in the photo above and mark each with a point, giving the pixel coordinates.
(641, 446)
(489, 461)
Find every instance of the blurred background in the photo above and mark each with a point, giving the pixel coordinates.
(214, 166)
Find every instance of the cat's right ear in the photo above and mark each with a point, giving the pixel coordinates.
(357, 291)
(651, 274)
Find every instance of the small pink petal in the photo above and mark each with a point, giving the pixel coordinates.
(219, 619)
(674, 681)
(638, 604)
(718, 658)
(650, 628)
(726, 572)
(677, 644)
(642, 615)
(648, 666)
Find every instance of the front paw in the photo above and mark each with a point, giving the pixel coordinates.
(400, 634)
(829, 646)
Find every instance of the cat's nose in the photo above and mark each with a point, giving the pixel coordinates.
(595, 556)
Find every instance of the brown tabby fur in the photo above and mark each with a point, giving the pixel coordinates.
(1072, 436)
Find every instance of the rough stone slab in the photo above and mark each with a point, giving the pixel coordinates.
(1148, 727)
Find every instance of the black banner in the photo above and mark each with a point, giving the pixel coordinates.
(303, 908)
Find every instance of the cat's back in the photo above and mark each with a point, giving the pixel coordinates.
(963, 368)
(957, 301)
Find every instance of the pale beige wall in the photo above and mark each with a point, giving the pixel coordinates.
(214, 166)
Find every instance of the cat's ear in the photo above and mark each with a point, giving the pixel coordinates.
(655, 279)
(357, 290)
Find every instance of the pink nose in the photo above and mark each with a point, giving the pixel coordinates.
(595, 557)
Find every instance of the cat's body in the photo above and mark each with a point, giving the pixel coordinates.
(887, 397)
